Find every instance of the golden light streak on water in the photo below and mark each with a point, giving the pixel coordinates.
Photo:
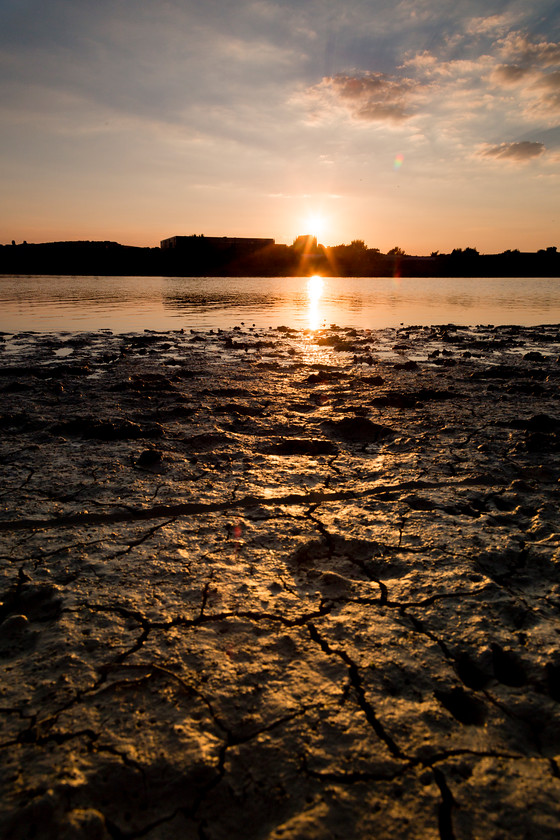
(315, 288)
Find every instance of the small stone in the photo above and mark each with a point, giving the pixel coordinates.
(358, 429)
(508, 669)
(14, 624)
(410, 365)
(150, 458)
(297, 446)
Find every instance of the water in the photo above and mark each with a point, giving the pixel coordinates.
(131, 304)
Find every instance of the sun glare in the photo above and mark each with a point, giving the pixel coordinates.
(315, 224)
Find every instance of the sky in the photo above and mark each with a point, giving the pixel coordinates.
(423, 124)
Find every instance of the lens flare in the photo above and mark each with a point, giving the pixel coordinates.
(398, 162)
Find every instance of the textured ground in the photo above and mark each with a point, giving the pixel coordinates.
(280, 585)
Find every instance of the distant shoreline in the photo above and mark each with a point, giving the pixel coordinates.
(200, 257)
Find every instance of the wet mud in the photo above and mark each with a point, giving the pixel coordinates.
(280, 584)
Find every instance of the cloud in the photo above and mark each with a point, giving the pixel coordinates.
(519, 92)
(456, 95)
(491, 23)
(518, 47)
(551, 81)
(550, 84)
(515, 152)
(509, 74)
(538, 90)
(376, 97)
(461, 69)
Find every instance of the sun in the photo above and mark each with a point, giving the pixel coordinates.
(316, 225)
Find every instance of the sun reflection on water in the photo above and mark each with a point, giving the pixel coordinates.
(315, 287)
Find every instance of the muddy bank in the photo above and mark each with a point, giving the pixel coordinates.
(275, 584)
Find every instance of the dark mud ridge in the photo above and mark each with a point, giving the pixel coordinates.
(279, 584)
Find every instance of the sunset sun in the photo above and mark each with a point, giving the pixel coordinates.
(316, 225)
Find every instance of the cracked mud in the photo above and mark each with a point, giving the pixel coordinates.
(277, 584)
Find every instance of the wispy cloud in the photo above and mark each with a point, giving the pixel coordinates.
(490, 24)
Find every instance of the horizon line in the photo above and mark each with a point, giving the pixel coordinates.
(397, 251)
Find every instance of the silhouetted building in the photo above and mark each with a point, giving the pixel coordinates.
(215, 243)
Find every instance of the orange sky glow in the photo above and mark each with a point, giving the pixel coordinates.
(428, 126)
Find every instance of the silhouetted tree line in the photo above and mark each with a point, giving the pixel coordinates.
(304, 257)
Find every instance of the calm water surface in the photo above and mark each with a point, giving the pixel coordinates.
(126, 304)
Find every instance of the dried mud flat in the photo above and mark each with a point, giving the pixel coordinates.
(276, 584)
